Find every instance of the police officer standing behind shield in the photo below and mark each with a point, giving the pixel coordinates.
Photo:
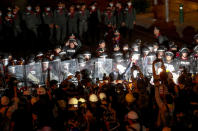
(60, 19)
(130, 18)
(72, 20)
(48, 19)
(83, 21)
(30, 20)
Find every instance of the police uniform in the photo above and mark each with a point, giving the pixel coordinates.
(170, 65)
(184, 62)
(119, 16)
(17, 22)
(30, 21)
(60, 20)
(83, 22)
(73, 22)
(94, 21)
(48, 19)
(194, 59)
(130, 17)
(109, 18)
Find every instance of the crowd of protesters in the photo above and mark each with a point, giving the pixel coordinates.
(152, 99)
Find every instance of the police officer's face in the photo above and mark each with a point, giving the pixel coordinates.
(71, 9)
(196, 41)
(156, 32)
(83, 7)
(168, 58)
(102, 45)
(71, 45)
(37, 8)
(184, 54)
(58, 50)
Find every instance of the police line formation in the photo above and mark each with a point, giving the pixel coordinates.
(65, 61)
(78, 19)
(58, 66)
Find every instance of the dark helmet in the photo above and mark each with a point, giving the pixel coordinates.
(56, 58)
(161, 49)
(169, 53)
(87, 53)
(103, 55)
(184, 50)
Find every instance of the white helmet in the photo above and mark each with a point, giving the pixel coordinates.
(82, 100)
(93, 98)
(102, 96)
(73, 101)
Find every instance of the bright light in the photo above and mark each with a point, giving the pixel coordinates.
(121, 68)
(135, 73)
(159, 71)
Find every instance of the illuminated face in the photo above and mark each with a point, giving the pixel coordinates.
(71, 9)
(83, 7)
(87, 57)
(102, 45)
(168, 58)
(156, 32)
(160, 54)
(58, 50)
(184, 55)
(71, 45)
(37, 8)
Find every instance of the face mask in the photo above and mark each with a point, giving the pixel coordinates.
(93, 7)
(129, 4)
(37, 10)
(60, 7)
(9, 15)
(111, 4)
(29, 8)
(48, 9)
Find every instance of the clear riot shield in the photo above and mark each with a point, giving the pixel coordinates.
(119, 67)
(55, 70)
(149, 61)
(17, 71)
(68, 67)
(102, 66)
(33, 73)
(89, 65)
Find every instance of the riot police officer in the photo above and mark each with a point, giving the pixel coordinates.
(72, 20)
(17, 22)
(72, 46)
(184, 60)
(30, 20)
(130, 18)
(48, 19)
(169, 62)
(60, 20)
(83, 20)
